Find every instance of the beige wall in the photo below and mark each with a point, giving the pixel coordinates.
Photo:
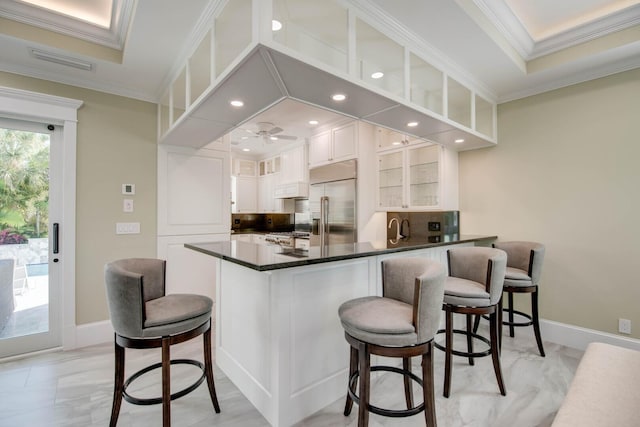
(116, 145)
(566, 173)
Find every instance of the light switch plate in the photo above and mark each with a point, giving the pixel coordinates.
(127, 228)
(127, 205)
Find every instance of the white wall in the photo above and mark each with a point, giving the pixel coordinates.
(565, 173)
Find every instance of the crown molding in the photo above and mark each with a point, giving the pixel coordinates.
(621, 20)
(113, 37)
(66, 79)
(508, 24)
(585, 75)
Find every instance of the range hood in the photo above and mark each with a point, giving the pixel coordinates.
(266, 76)
(292, 190)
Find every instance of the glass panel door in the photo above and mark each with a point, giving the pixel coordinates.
(390, 180)
(28, 298)
(424, 176)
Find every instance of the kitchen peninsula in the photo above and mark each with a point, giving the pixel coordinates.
(278, 336)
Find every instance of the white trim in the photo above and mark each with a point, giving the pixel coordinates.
(579, 338)
(93, 333)
(112, 37)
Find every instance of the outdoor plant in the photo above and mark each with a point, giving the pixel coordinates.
(9, 237)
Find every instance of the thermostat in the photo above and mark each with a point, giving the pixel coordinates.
(128, 189)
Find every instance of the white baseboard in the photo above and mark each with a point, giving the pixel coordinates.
(555, 332)
(579, 338)
(93, 333)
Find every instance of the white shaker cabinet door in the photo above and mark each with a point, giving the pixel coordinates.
(194, 191)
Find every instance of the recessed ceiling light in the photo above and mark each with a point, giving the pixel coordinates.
(459, 141)
(339, 97)
(244, 137)
(377, 75)
(313, 122)
(396, 143)
(246, 149)
(412, 124)
(236, 103)
(273, 138)
(276, 25)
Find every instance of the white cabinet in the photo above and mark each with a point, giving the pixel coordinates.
(193, 191)
(242, 237)
(390, 139)
(266, 194)
(339, 144)
(244, 194)
(269, 166)
(410, 178)
(294, 165)
(243, 167)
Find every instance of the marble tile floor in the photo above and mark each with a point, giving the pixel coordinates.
(74, 389)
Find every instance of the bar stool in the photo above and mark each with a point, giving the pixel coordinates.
(144, 317)
(401, 323)
(473, 288)
(524, 267)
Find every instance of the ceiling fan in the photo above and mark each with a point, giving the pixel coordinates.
(269, 133)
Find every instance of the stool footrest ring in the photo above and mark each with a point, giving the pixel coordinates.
(397, 413)
(519, 313)
(155, 400)
(466, 353)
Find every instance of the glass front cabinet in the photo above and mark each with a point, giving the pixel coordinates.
(410, 177)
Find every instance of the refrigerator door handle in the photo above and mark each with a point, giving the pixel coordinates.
(324, 220)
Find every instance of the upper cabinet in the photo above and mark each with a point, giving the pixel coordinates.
(294, 165)
(259, 52)
(389, 139)
(416, 178)
(340, 143)
(243, 167)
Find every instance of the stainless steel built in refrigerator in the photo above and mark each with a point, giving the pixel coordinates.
(332, 202)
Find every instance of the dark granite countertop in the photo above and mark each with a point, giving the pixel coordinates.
(272, 257)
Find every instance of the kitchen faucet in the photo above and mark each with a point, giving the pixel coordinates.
(398, 235)
(405, 233)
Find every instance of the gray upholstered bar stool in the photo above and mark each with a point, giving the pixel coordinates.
(524, 267)
(473, 288)
(401, 323)
(144, 317)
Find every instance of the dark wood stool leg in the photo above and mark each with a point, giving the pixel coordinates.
(408, 387)
(448, 348)
(353, 367)
(365, 374)
(118, 384)
(536, 321)
(427, 388)
(476, 323)
(166, 383)
(510, 309)
(469, 339)
(500, 313)
(495, 353)
(208, 369)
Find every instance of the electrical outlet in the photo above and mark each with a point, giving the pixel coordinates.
(624, 326)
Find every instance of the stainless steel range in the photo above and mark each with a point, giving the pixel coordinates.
(289, 239)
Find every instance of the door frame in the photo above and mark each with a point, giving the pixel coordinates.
(32, 106)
